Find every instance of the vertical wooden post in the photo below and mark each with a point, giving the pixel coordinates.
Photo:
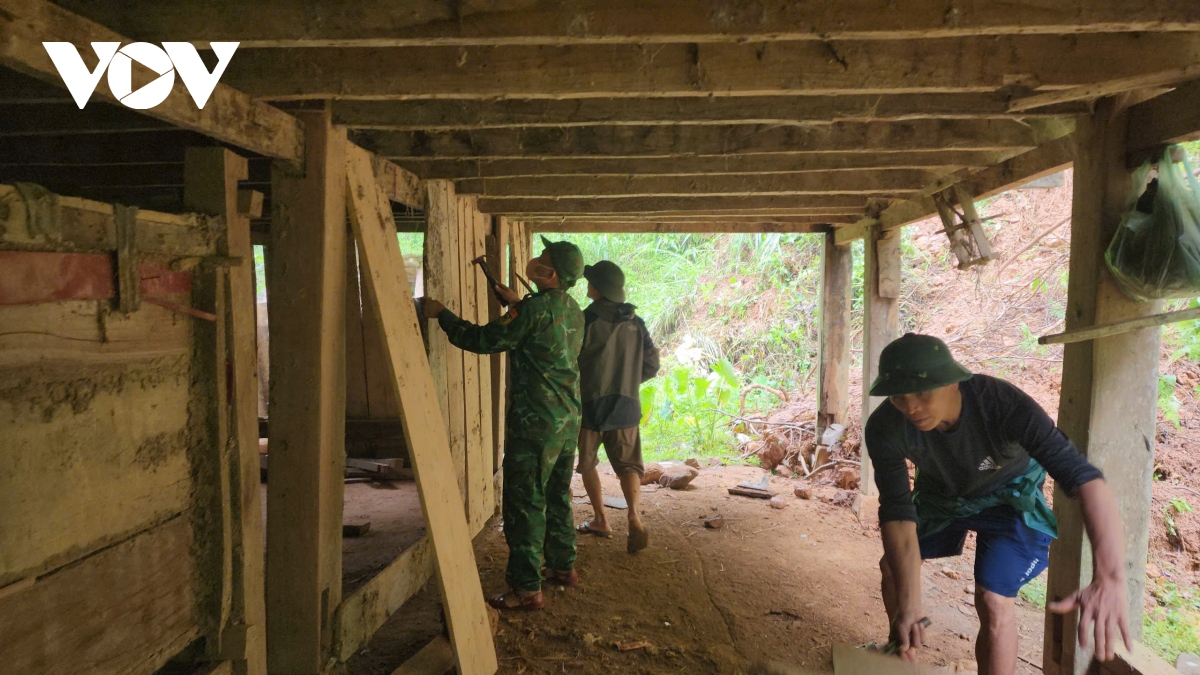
(1109, 386)
(833, 375)
(308, 401)
(480, 479)
(498, 247)
(357, 400)
(881, 322)
(210, 186)
(470, 312)
(438, 222)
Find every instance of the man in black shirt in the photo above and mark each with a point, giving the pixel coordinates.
(982, 449)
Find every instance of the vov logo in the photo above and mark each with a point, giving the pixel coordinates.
(172, 57)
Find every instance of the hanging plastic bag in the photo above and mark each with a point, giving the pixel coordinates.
(1156, 251)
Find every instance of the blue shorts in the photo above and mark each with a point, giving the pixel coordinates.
(1008, 552)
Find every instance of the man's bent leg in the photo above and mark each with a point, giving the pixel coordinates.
(560, 517)
(524, 510)
(996, 646)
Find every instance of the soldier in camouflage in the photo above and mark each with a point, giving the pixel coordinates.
(543, 334)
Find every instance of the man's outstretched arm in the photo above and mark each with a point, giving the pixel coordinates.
(902, 552)
(1103, 602)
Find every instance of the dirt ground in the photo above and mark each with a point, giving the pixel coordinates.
(771, 585)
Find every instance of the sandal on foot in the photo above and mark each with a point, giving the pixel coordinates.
(587, 528)
(568, 579)
(518, 601)
(638, 540)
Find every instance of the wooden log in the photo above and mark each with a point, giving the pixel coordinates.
(212, 176)
(229, 115)
(294, 24)
(856, 67)
(937, 161)
(445, 519)
(881, 182)
(306, 296)
(833, 376)
(366, 610)
(663, 141)
(1170, 118)
(445, 115)
(881, 322)
(1109, 387)
(816, 205)
(124, 611)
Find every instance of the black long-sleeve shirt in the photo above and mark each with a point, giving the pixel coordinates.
(999, 429)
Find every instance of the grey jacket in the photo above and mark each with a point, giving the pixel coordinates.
(617, 357)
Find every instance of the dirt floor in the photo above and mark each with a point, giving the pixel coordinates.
(771, 585)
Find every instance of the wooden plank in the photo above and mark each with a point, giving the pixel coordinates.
(437, 263)
(1170, 118)
(381, 400)
(455, 392)
(366, 610)
(399, 184)
(665, 141)
(294, 24)
(428, 446)
(857, 67)
(817, 205)
(498, 248)
(1092, 92)
(1141, 661)
(48, 222)
(480, 477)
(229, 115)
(886, 181)
(881, 321)
(859, 230)
(937, 161)
(473, 455)
(357, 400)
(125, 610)
(444, 115)
(1109, 387)
(849, 659)
(833, 376)
(1106, 330)
(817, 224)
(306, 295)
(212, 176)
(435, 658)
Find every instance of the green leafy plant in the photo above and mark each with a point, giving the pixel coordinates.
(1168, 403)
(686, 407)
(1176, 506)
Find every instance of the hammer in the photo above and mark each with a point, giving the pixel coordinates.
(893, 646)
(493, 282)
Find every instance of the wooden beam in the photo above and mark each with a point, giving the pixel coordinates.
(817, 205)
(859, 230)
(887, 182)
(366, 610)
(399, 184)
(662, 141)
(306, 301)
(833, 360)
(66, 118)
(1091, 92)
(212, 176)
(481, 473)
(469, 276)
(808, 68)
(881, 323)
(229, 115)
(498, 261)
(1109, 387)
(1079, 335)
(37, 221)
(379, 23)
(1170, 118)
(439, 264)
(539, 222)
(939, 161)
(428, 445)
(675, 227)
(445, 115)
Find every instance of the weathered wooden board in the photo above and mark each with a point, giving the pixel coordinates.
(429, 449)
(471, 381)
(361, 614)
(479, 475)
(125, 610)
(851, 660)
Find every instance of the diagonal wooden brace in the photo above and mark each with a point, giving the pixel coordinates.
(962, 226)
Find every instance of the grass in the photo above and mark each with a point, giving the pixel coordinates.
(1173, 627)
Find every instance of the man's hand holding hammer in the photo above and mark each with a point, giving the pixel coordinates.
(432, 308)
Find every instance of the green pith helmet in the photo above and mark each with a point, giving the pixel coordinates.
(566, 259)
(915, 363)
(608, 278)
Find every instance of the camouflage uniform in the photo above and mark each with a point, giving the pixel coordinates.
(543, 335)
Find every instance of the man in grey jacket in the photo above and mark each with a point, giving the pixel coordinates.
(617, 357)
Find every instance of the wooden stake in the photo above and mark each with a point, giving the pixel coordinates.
(428, 445)
(881, 321)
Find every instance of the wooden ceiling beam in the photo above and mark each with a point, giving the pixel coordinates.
(937, 161)
(445, 115)
(660, 141)
(547, 222)
(1171, 118)
(229, 115)
(1023, 63)
(682, 227)
(293, 23)
(812, 205)
(889, 182)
